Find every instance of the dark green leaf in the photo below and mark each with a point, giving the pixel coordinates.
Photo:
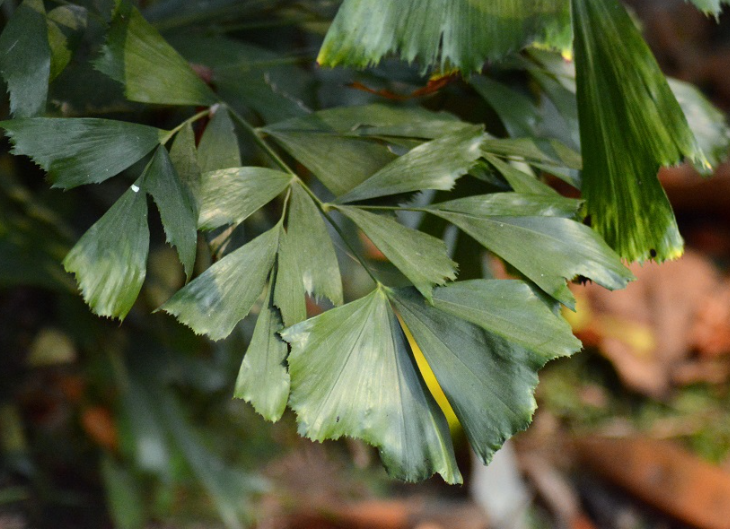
(630, 125)
(433, 165)
(442, 33)
(708, 124)
(512, 310)
(218, 147)
(177, 207)
(110, 260)
(214, 302)
(540, 150)
(340, 163)
(547, 250)
(422, 258)
(520, 181)
(25, 59)
(66, 25)
(81, 151)
(230, 196)
(353, 374)
(149, 68)
(374, 120)
(289, 290)
(263, 379)
(312, 246)
(518, 113)
(488, 381)
(184, 157)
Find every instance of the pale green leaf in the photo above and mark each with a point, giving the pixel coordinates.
(488, 381)
(230, 196)
(441, 33)
(66, 25)
(353, 374)
(150, 69)
(517, 111)
(708, 124)
(214, 302)
(263, 379)
(177, 207)
(631, 124)
(436, 164)
(422, 258)
(512, 310)
(184, 157)
(110, 259)
(81, 151)
(547, 250)
(519, 181)
(289, 289)
(340, 163)
(123, 495)
(25, 59)
(710, 7)
(218, 147)
(312, 246)
(512, 204)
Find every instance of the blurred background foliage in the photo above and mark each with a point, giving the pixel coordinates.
(133, 425)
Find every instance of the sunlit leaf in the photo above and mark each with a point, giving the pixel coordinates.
(81, 151)
(354, 375)
(710, 7)
(218, 147)
(263, 379)
(214, 302)
(512, 310)
(289, 290)
(25, 59)
(512, 204)
(630, 125)
(547, 250)
(229, 196)
(708, 124)
(312, 246)
(177, 207)
(488, 381)
(441, 33)
(66, 25)
(422, 258)
(149, 68)
(433, 165)
(110, 260)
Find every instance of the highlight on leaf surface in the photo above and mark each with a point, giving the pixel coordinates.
(442, 34)
(110, 259)
(353, 374)
(630, 125)
(215, 301)
(150, 69)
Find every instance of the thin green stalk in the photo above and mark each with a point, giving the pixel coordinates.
(323, 208)
(191, 119)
